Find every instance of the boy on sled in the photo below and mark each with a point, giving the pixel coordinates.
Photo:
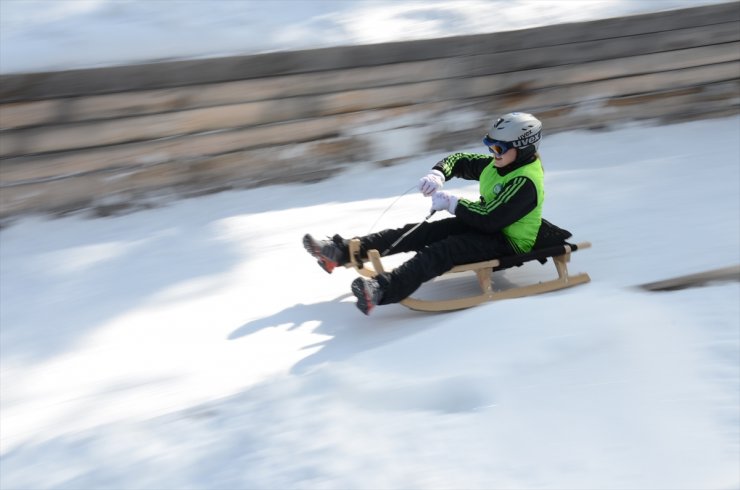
(504, 222)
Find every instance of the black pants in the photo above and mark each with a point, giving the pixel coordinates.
(440, 245)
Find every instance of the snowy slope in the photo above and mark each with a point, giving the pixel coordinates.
(197, 345)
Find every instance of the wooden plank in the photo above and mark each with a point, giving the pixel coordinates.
(714, 100)
(502, 61)
(670, 63)
(102, 133)
(723, 274)
(125, 104)
(596, 93)
(36, 113)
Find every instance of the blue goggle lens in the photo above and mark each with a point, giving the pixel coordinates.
(498, 148)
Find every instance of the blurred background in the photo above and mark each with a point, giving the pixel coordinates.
(175, 98)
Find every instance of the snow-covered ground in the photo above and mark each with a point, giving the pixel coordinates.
(42, 35)
(197, 345)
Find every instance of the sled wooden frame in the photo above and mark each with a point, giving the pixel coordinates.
(560, 255)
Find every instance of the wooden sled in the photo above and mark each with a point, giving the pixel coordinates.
(560, 255)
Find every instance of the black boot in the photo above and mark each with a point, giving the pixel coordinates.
(329, 253)
(368, 293)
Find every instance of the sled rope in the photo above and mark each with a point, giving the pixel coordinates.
(393, 245)
(389, 207)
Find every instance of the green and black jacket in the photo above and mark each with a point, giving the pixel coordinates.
(511, 198)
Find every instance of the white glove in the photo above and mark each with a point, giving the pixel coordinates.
(431, 183)
(444, 201)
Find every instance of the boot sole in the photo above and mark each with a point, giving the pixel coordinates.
(364, 304)
(310, 245)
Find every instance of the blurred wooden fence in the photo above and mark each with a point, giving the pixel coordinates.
(115, 137)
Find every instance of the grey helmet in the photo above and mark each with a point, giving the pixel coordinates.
(517, 128)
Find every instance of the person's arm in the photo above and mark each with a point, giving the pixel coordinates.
(516, 199)
(466, 166)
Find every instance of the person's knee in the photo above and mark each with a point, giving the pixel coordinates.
(437, 257)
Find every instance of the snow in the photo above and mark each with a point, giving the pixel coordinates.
(46, 35)
(196, 345)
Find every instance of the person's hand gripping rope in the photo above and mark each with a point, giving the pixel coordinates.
(443, 201)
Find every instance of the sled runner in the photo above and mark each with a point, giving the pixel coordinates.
(559, 253)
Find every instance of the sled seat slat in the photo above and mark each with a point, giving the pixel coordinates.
(514, 260)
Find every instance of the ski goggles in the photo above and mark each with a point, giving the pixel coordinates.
(496, 147)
